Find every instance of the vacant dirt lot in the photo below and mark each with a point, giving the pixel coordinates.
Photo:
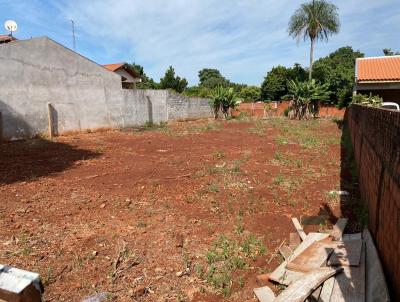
(186, 212)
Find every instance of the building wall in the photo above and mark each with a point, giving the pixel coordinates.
(83, 94)
(375, 135)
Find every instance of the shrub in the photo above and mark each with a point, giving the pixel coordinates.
(304, 97)
(368, 100)
(223, 100)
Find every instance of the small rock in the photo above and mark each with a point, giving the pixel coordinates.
(102, 206)
(179, 274)
(94, 253)
(96, 298)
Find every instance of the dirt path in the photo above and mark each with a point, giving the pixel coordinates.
(129, 212)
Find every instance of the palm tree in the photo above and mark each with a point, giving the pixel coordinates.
(316, 20)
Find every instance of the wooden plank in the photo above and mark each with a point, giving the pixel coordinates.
(346, 253)
(339, 227)
(286, 277)
(299, 229)
(18, 285)
(350, 286)
(326, 291)
(314, 295)
(312, 257)
(299, 290)
(264, 294)
(285, 251)
(376, 287)
(294, 240)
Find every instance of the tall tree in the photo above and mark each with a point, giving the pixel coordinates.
(337, 70)
(146, 83)
(274, 84)
(212, 78)
(315, 20)
(170, 81)
(389, 52)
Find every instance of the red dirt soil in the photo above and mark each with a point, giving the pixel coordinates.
(70, 206)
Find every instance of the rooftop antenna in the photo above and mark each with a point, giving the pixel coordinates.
(11, 26)
(73, 34)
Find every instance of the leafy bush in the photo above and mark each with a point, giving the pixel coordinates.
(368, 100)
(304, 97)
(223, 100)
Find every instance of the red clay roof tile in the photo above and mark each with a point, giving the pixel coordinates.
(378, 69)
(114, 67)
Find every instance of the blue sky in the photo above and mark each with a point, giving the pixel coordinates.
(241, 38)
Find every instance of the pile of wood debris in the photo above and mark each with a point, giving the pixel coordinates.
(325, 267)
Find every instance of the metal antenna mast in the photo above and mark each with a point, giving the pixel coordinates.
(73, 34)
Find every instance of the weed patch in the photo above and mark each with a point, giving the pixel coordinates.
(227, 256)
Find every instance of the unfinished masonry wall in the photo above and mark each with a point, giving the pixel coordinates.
(83, 94)
(375, 134)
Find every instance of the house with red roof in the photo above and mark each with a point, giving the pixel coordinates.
(129, 76)
(379, 76)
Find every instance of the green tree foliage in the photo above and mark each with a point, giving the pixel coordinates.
(147, 83)
(274, 86)
(304, 98)
(250, 94)
(314, 20)
(337, 70)
(390, 52)
(212, 78)
(170, 81)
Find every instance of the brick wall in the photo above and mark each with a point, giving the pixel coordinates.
(278, 109)
(375, 134)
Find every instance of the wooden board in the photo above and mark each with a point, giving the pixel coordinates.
(326, 291)
(314, 295)
(264, 294)
(299, 229)
(346, 253)
(339, 227)
(376, 287)
(294, 240)
(286, 277)
(299, 290)
(350, 285)
(312, 257)
(285, 251)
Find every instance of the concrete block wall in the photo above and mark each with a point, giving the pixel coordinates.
(182, 107)
(375, 134)
(83, 94)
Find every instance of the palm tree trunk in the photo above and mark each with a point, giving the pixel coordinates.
(311, 59)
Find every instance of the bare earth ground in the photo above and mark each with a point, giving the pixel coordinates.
(141, 214)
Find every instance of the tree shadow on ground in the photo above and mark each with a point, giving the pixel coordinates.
(27, 160)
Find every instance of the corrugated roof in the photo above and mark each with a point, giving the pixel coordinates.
(378, 69)
(114, 67)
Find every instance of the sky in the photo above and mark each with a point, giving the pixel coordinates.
(244, 39)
